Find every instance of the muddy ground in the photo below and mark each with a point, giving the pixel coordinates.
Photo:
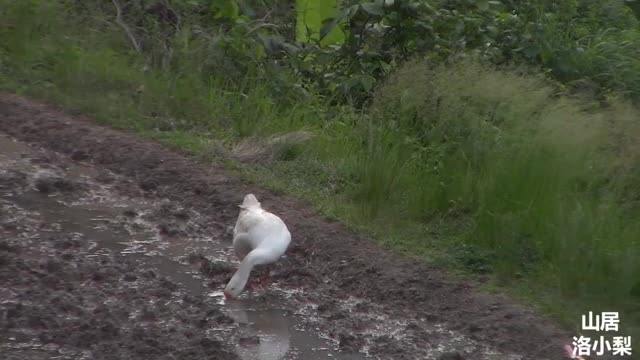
(116, 247)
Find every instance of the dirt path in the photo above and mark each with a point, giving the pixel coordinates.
(118, 248)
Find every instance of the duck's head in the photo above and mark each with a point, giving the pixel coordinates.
(250, 202)
(228, 295)
(235, 286)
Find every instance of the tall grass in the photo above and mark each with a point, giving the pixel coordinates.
(588, 40)
(533, 170)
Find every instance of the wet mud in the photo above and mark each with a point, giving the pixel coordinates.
(116, 247)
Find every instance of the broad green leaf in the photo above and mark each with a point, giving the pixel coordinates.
(225, 9)
(373, 8)
(385, 66)
(310, 20)
(367, 82)
(330, 23)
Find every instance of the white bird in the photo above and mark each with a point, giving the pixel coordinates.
(259, 238)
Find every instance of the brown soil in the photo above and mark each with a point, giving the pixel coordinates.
(325, 257)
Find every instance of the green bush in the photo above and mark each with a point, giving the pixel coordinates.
(533, 171)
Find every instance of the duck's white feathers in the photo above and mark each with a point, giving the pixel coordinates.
(258, 228)
(260, 237)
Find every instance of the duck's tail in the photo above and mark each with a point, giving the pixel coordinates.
(250, 201)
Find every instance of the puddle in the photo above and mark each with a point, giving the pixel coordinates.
(268, 331)
(283, 325)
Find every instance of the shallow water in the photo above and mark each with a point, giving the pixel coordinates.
(281, 333)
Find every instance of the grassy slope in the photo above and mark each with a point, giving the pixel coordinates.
(478, 170)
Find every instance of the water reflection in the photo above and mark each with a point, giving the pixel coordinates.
(266, 332)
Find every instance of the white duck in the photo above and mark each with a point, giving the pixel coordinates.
(259, 238)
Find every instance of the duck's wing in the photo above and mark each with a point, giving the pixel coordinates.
(246, 234)
(242, 245)
(275, 237)
(241, 224)
(260, 229)
(248, 220)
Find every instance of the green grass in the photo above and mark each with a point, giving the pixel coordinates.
(482, 171)
(583, 42)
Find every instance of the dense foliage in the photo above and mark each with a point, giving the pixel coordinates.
(587, 40)
(587, 43)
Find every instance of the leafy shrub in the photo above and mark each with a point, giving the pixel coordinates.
(575, 40)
